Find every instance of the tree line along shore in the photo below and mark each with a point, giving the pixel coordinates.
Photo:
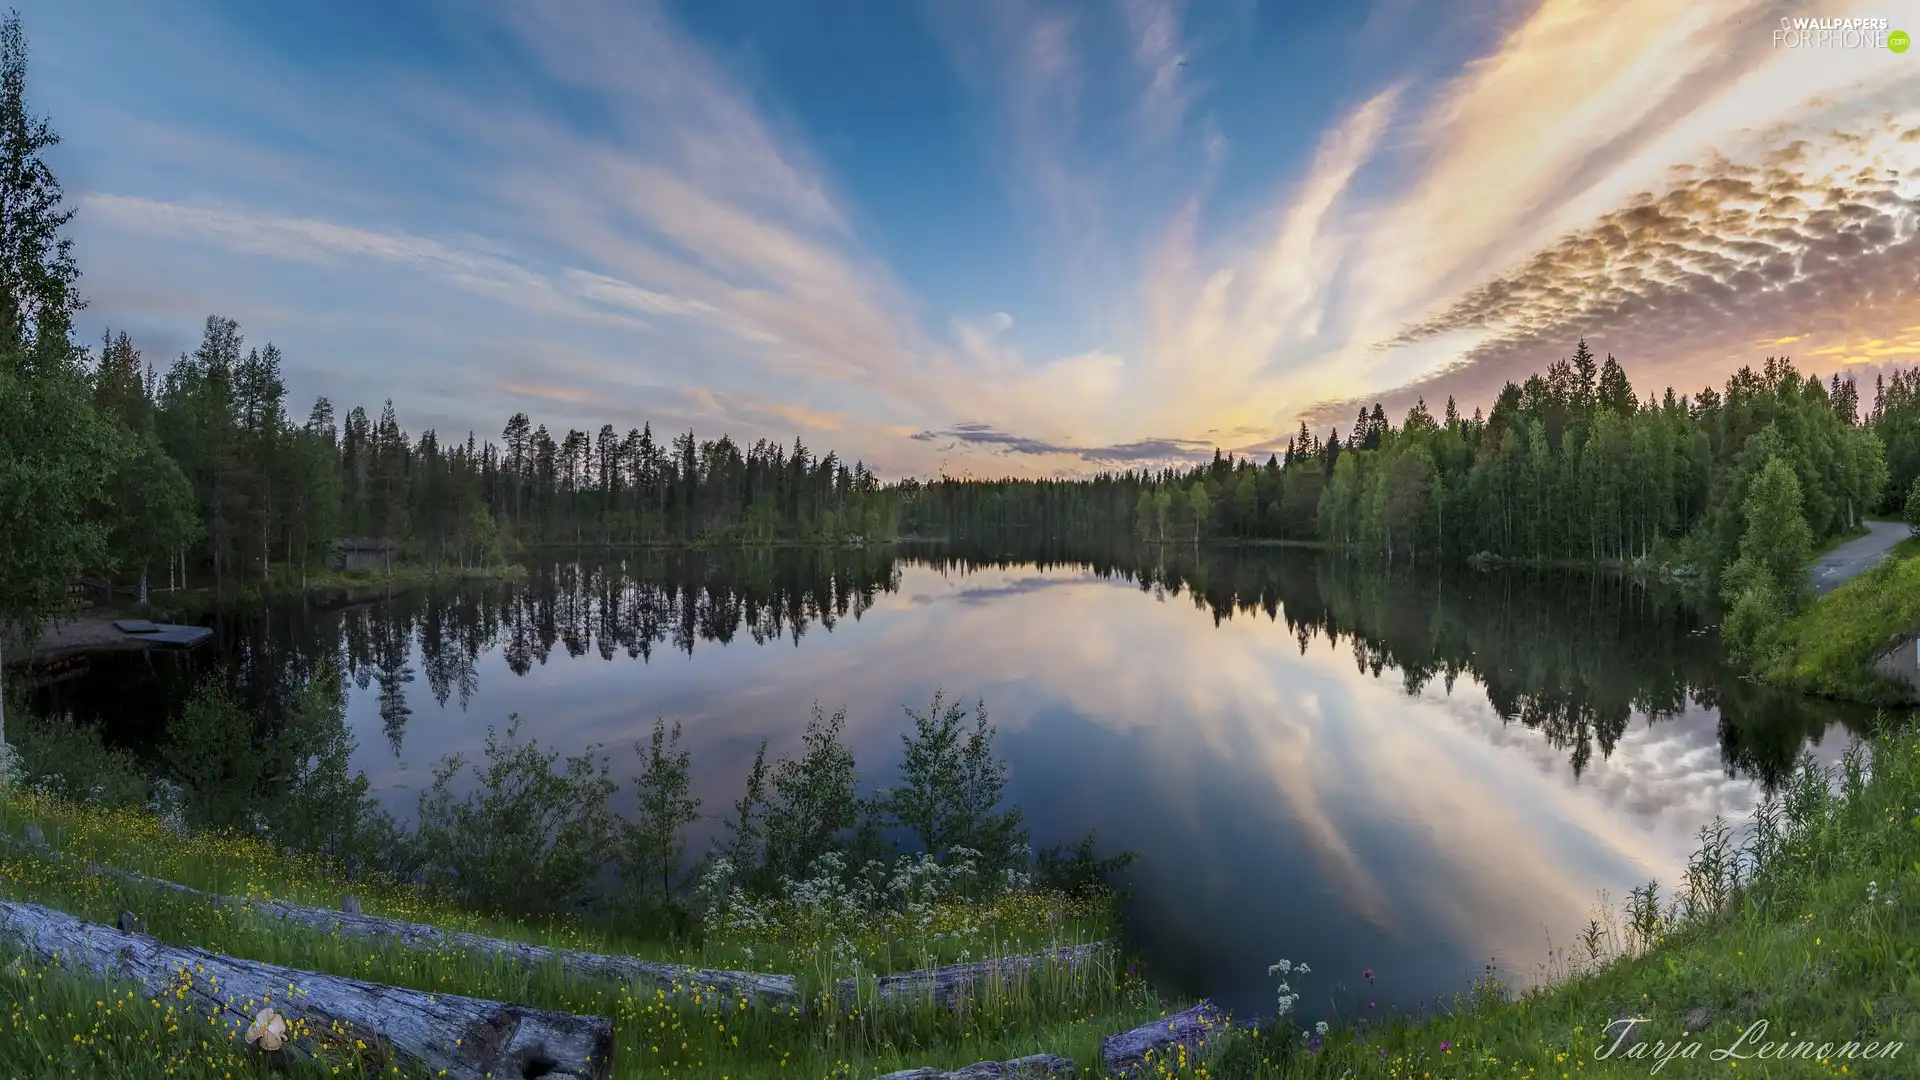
(115, 469)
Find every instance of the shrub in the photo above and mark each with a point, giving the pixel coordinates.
(531, 839)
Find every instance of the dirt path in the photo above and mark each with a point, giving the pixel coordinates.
(1856, 557)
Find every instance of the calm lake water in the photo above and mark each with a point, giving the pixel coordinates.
(1420, 774)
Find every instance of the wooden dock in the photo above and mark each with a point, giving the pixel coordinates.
(62, 650)
(163, 635)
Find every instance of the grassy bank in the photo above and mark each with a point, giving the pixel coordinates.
(58, 1025)
(1807, 922)
(1830, 648)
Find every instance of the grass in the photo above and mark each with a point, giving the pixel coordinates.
(1830, 648)
(1811, 925)
(58, 1023)
(1810, 921)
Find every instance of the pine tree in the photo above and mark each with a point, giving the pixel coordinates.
(37, 272)
(1584, 370)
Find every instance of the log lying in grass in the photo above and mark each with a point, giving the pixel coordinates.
(1125, 1053)
(947, 985)
(468, 1038)
(1037, 1067)
(769, 989)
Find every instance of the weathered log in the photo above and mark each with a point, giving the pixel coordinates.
(675, 978)
(947, 985)
(468, 1038)
(1037, 1067)
(1125, 1053)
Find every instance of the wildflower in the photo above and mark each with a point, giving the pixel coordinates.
(1367, 975)
(1320, 1028)
(269, 1029)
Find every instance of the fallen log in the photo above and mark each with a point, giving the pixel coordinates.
(674, 978)
(1037, 1067)
(947, 985)
(457, 1037)
(1126, 1053)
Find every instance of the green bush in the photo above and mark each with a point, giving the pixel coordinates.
(531, 839)
(73, 761)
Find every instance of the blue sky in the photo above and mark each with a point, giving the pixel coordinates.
(986, 236)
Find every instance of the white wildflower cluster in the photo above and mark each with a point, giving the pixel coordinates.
(1286, 998)
(169, 804)
(1874, 896)
(13, 772)
(714, 895)
(1016, 878)
(832, 893)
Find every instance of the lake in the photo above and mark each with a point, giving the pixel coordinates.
(1421, 774)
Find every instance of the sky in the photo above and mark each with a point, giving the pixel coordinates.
(985, 237)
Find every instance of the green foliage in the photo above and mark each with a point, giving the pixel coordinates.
(1767, 584)
(1079, 870)
(316, 803)
(653, 848)
(73, 761)
(657, 1034)
(1562, 468)
(812, 807)
(152, 514)
(210, 749)
(745, 845)
(37, 271)
(1910, 513)
(1830, 648)
(531, 838)
(951, 785)
(1777, 544)
(57, 458)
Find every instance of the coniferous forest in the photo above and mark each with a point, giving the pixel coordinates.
(1569, 466)
(201, 471)
(251, 487)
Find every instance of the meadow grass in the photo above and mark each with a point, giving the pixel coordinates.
(949, 931)
(62, 1021)
(1807, 922)
(1830, 648)
(1811, 924)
